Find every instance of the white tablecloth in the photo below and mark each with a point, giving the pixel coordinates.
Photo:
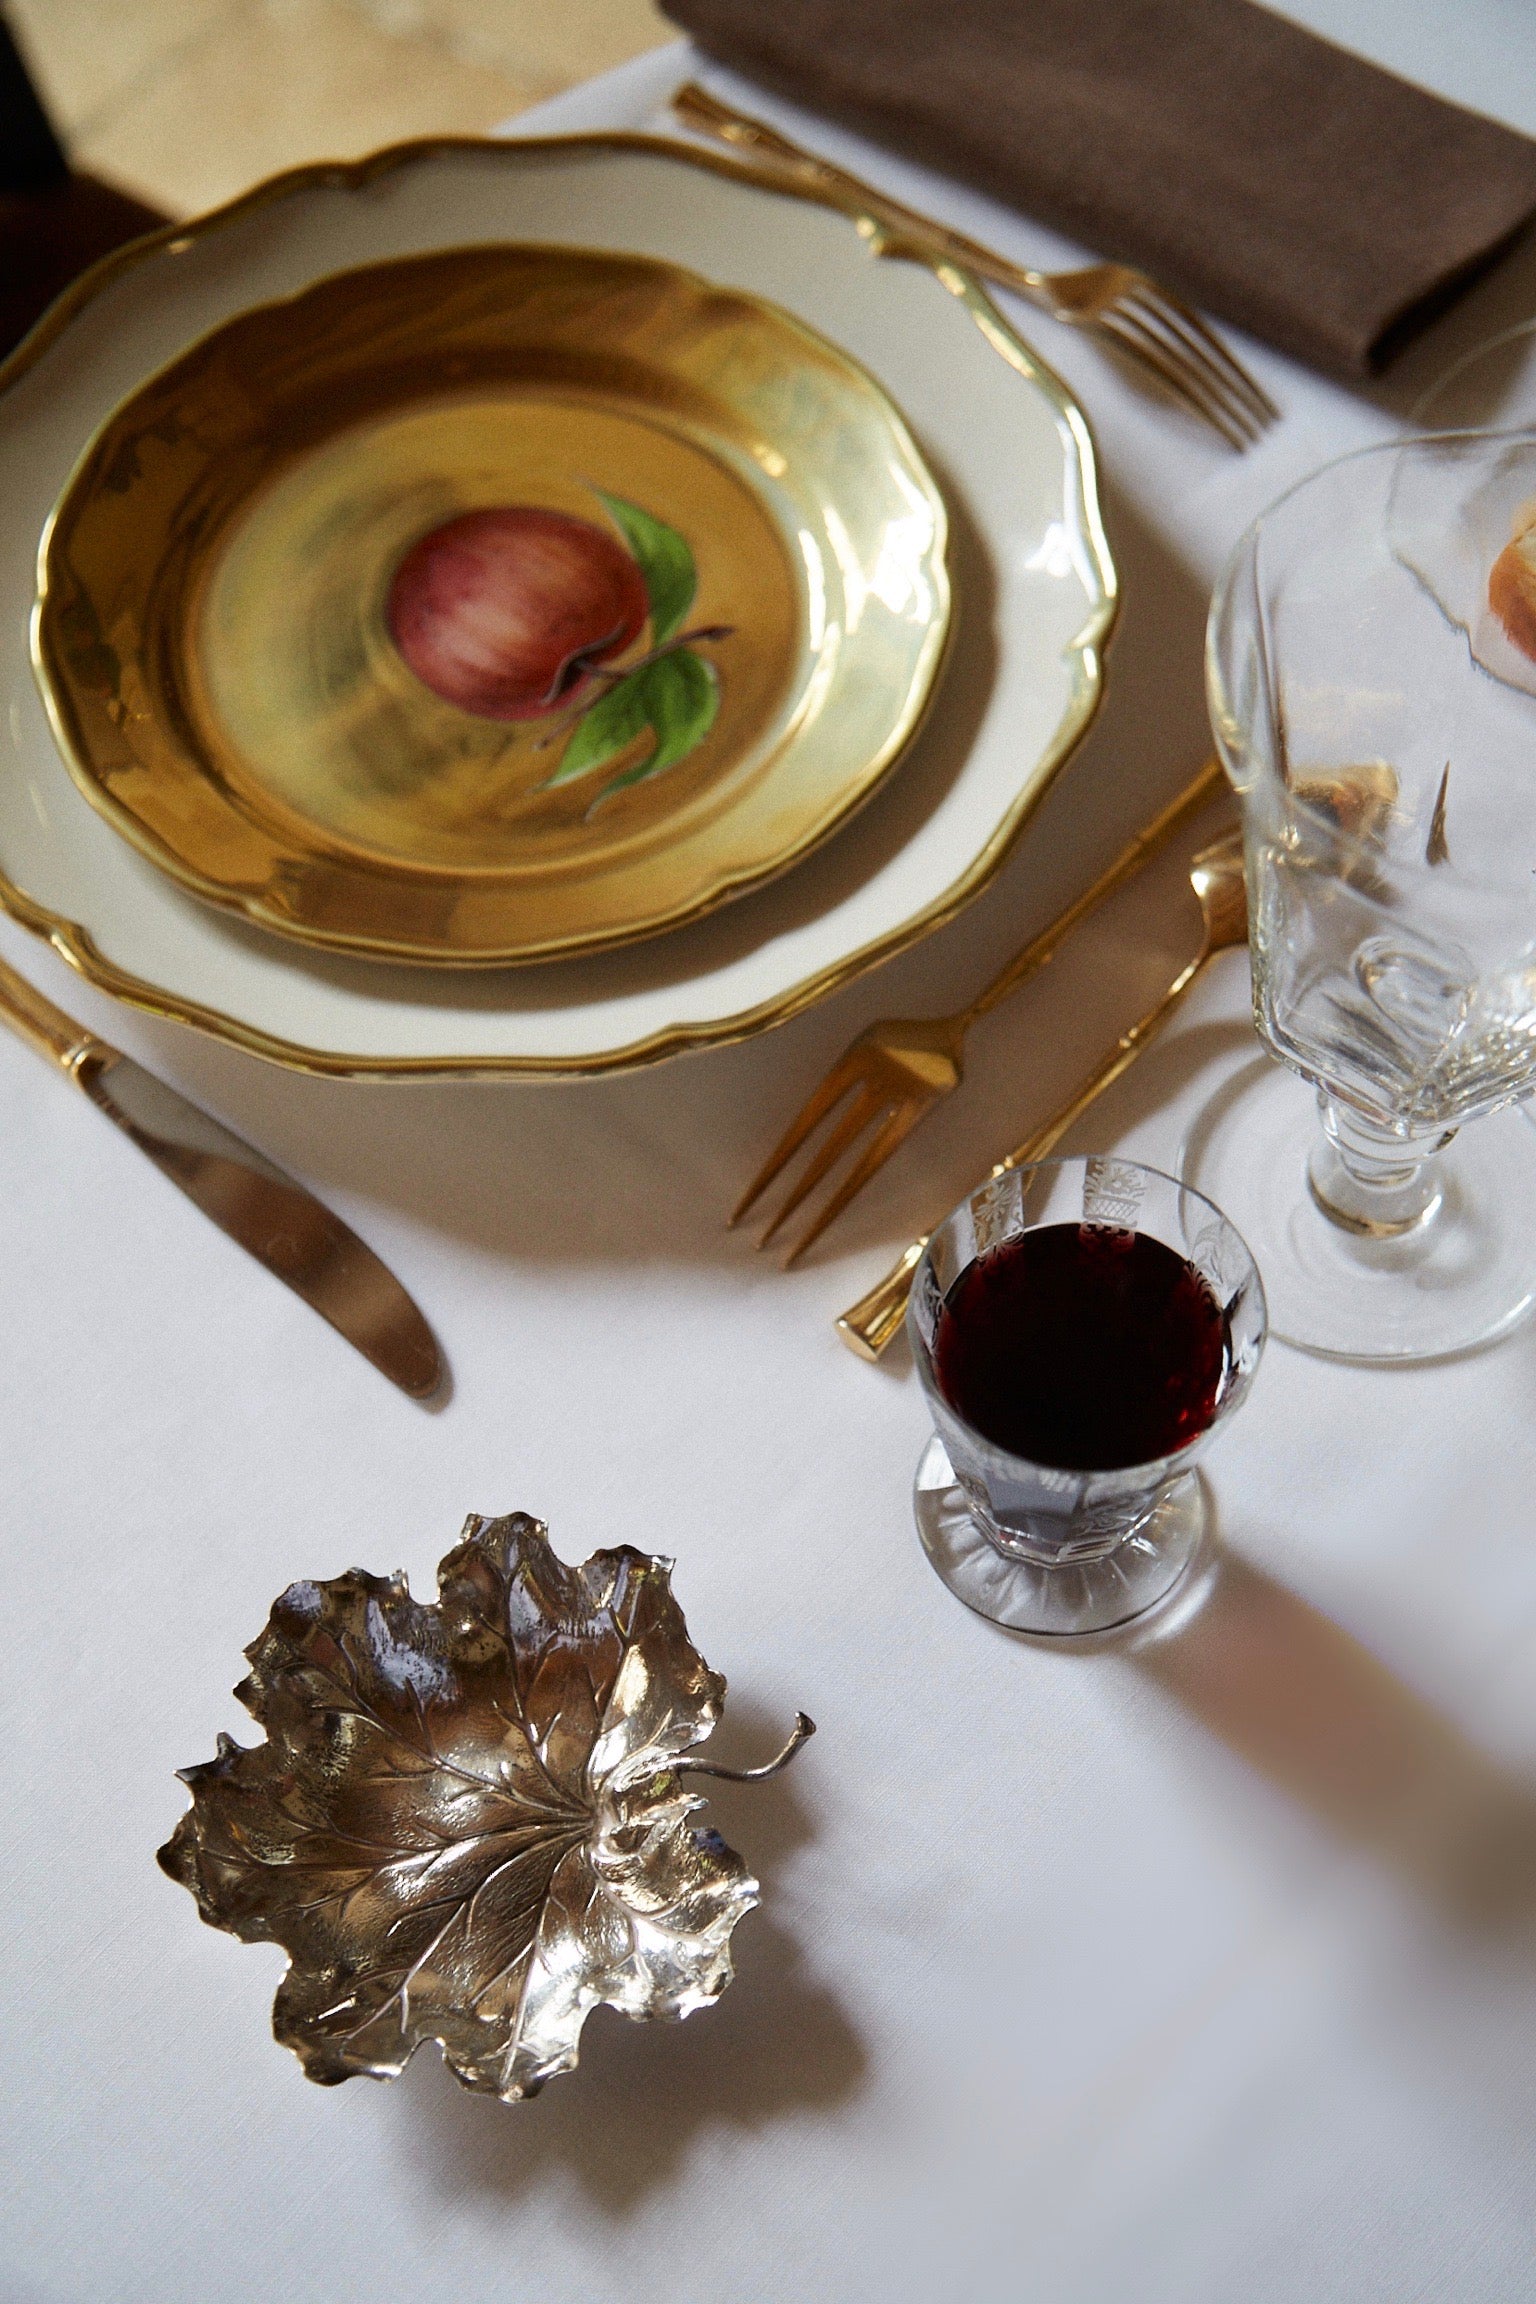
(1199, 1970)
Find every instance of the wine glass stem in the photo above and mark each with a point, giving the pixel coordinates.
(1368, 1180)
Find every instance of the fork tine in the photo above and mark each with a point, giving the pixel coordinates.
(1134, 338)
(1164, 316)
(1226, 360)
(1150, 313)
(866, 1106)
(832, 1090)
(1191, 360)
(873, 1158)
(1184, 346)
(1136, 347)
(1160, 304)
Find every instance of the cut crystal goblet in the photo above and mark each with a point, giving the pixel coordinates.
(1373, 691)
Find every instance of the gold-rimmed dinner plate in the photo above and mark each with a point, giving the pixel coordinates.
(1034, 597)
(492, 604)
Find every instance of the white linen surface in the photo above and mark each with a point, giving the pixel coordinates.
(1183, 1972)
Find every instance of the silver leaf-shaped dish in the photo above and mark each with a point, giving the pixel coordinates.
(468, 1822)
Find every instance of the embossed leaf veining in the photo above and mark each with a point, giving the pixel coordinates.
(466, 1823)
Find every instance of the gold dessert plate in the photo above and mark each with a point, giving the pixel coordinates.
(1034, 597)
(498, 603)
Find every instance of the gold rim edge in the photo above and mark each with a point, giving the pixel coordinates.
(876, 772)
(75, 944)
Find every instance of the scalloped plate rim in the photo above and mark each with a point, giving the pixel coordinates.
(74, 940)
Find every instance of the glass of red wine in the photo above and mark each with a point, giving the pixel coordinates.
(1080, 1327)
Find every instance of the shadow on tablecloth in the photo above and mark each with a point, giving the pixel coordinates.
(626, 2121)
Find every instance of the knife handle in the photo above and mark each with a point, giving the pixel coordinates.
(41, 1025)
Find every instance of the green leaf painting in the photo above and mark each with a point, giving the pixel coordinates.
(674, 697)
(682, 696)
(673, 694)
(665, 563)
(605, 729)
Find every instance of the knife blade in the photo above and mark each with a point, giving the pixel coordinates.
(250, 1199)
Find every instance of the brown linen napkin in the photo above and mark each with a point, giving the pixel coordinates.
(1269, 176)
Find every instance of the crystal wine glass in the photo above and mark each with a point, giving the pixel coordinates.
(1491, 388)
(1081, 1327)
(1372, 674)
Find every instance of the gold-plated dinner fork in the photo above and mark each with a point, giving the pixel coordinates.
(1127, 309)
(898, 1069)
(1216, 876)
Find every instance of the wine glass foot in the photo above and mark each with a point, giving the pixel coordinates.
(1067, 1600)
(1463, 1278)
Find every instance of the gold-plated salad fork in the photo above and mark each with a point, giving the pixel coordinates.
(1141, 320)
(897, 1070)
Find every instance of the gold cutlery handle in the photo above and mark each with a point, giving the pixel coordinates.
(41, 1025)
(869, 1326)
(699, 109)
(1127, 864)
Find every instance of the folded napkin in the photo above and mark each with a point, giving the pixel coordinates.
(1269, 176)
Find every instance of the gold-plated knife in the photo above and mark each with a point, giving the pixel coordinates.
(264, 1211)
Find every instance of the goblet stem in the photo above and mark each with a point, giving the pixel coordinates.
(1370, 1181)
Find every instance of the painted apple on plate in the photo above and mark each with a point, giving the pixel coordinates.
(506, 612)
(519, 612)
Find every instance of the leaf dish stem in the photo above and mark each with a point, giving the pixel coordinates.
(802, 1732)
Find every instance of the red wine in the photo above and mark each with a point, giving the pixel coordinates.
(1083, 1347)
